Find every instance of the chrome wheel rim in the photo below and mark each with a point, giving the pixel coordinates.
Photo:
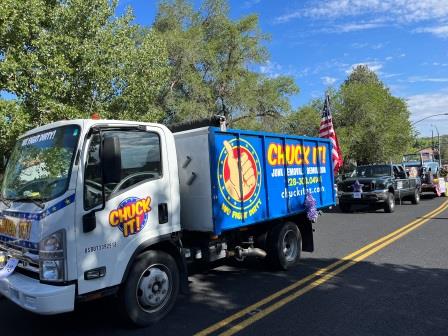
(154, 288)
(290, 245)
(391, 202)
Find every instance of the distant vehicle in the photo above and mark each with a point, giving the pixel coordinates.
(428, 169)
(379, 185)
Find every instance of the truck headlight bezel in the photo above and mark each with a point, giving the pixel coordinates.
(52, 254)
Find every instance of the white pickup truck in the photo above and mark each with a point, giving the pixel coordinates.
(98, 207)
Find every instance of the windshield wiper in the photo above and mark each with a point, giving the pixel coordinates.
(38, 201)
(5, 201)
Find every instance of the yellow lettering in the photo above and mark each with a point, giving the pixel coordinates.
(129, 210)
(272, 149)
(113, 218)
(122, 215)
(297, 155)
(137, 224)
(24, 229)
(139, 208)
(280, 155)
(290, 154)
(306, 154)
(128, 227)
(237, 215)
(225, 209)
(323, 156)
(146, 204)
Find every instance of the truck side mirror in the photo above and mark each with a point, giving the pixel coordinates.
(111, 160)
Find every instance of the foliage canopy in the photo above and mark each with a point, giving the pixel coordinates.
(372, 125)
(212, 60)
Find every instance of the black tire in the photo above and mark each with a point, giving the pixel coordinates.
(389, 204)
(416, 197)
(284, 246)
(345, 207)
(157, 273)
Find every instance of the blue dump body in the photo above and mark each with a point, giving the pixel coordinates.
(276, 171)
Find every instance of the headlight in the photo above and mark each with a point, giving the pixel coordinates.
(52, 257)
(52, 270)
(3, 260)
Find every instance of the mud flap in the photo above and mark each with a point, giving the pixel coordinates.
(306, 230)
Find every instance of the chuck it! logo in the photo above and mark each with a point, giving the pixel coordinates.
(239, 179)
(131, 215)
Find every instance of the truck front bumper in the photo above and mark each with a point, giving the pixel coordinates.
(39, 298)
(371, 197)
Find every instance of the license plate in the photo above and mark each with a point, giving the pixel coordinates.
(9, 268)
(356, 195)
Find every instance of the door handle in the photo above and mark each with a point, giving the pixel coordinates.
(163, 213)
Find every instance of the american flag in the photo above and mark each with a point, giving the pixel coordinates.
(327, 131)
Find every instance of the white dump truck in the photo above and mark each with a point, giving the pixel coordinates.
(99, 207)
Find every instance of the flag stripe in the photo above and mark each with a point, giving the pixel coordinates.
(326, 130)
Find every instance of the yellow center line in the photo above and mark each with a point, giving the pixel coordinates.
(319, 281)
(352, 258)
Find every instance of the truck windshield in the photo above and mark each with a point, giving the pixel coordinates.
(40, 164)
(412, 158)
(373, 171)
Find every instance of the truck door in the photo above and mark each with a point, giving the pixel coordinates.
(126, 166)
(401, 181)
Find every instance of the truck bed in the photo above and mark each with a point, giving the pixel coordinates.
(275, 173)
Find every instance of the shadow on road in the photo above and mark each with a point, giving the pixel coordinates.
(366, 299)
(362, 208)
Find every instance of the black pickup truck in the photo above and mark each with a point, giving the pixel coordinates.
(379, 185)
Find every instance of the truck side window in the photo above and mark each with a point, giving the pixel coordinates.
(140, 158)
(93, 175)
(396, 174)
(401, 172)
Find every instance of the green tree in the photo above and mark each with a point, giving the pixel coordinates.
(68, 59)
(212, 62)
(305, 121)
(13, 122)
(372, 125)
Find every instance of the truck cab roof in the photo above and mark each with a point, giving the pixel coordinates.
(87, 123)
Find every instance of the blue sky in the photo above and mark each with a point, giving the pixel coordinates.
(318, 42)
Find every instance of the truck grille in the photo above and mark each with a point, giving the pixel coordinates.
(366, 187)
(28, 258)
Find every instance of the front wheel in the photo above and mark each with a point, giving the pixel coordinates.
(416, 197)
(284, 245)
(151, 288)
(389, 205)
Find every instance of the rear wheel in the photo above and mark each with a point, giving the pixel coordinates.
(284, 245)
(389, 205)
(416, 197)
(151, 288)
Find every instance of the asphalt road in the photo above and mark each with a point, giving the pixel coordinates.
(398, 286)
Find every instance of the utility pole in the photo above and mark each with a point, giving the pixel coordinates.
(438, 146)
